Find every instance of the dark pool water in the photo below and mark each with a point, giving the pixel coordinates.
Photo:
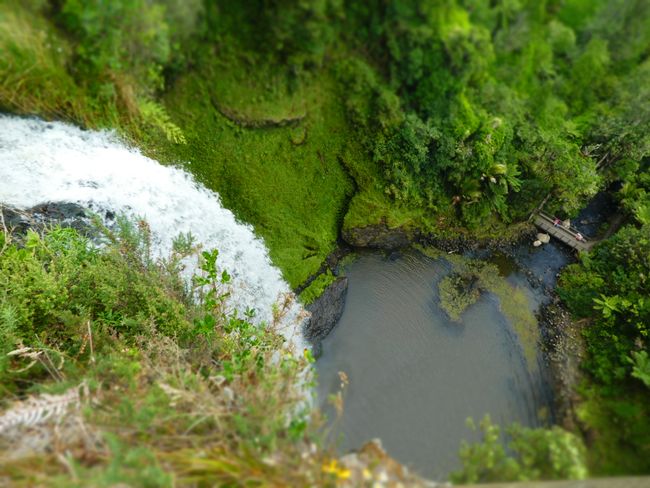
(414, 375)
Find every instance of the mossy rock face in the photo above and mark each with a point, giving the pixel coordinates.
(326, 310)
(377, 236)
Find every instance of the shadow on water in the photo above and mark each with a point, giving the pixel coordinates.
(414, 375)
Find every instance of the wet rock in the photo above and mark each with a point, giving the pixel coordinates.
(537, 243)
(377, 236)
(325, 312)
(37, 218)
(481, 248)
(543, 238)
(15, 219)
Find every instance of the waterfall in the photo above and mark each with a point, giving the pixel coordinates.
(57, 162)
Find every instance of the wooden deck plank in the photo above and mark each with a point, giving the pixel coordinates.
(564, 235)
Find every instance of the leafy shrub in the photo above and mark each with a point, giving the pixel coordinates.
(525, 454)
(614, 278)
(123, 48)
(611, 287)
(640, 366)
(177, 374)
(58, 286)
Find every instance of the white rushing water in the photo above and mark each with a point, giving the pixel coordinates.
(56, 162)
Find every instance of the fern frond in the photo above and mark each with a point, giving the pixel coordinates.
(39, 409)
(155, 114)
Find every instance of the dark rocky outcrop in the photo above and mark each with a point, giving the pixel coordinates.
(462, 244)
(377, 236)
(325, 312)
(564, 349)
(40, 216)
(66, 214)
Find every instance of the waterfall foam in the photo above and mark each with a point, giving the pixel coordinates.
(57, 162)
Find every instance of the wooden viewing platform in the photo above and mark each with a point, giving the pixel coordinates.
(567, 236)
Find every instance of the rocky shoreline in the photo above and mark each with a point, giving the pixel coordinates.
(325, 311)
(563, 347)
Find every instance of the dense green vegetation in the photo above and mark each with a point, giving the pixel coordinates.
(451, 117)
(528, 454)
(175, 388)
(610, 288)
(440, 116)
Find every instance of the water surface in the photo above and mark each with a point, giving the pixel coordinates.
(414, 375)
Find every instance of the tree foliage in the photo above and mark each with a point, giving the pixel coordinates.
(518, 99)
(525, 454)
(611, 286)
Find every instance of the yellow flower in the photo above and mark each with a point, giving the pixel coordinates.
(343, 473)
(339, 471)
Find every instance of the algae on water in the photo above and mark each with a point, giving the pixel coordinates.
(457, 292)
(471, 277)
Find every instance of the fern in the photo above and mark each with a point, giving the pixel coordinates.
(36, 410)
(642, 213)
(155, 115)
(640, 366)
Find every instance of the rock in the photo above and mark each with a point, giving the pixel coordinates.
(543, 238)
(15, 219)
(537, 243)
(372, 466)
(325, 311)
(377, 236)
(67, 214)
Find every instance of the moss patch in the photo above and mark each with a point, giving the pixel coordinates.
(457, 292)
(317, 287)
(288, 181)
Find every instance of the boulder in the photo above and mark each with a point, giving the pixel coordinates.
(543, 238)
(36, 218)
(537, 243)
(325, 312)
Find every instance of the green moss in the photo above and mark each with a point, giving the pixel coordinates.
(33, 75)
(294, 195)
(317, 287)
